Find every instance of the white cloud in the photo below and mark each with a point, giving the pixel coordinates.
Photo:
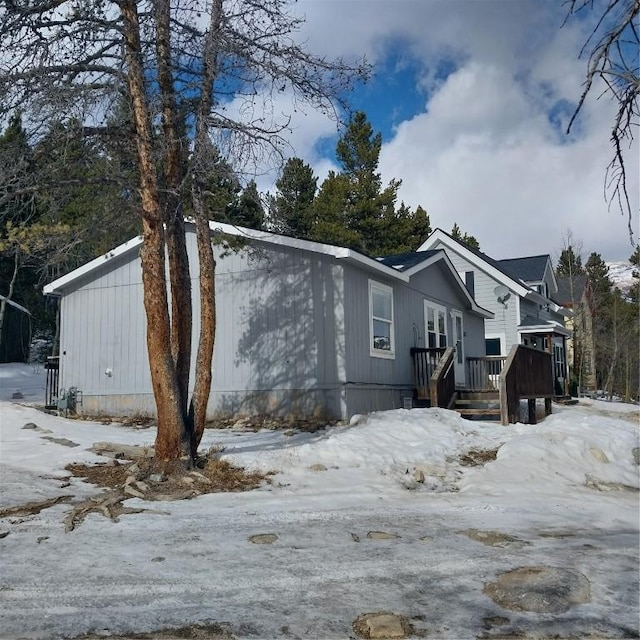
(489, 150)
(486, 152)
(483, 156)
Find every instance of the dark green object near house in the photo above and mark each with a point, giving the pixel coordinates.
(16, 333)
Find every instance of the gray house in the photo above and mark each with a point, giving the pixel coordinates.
(304, 329)
(519, 292)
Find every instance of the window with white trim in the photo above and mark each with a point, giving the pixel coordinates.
(436, 324)
(381, 330)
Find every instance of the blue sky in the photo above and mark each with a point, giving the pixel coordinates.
(472, 98)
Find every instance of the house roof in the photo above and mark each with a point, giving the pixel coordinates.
(570, 290)
(481, 260)
(404, 261)
(527, 269)
(529, 324)
(511, 271)
(341, 253)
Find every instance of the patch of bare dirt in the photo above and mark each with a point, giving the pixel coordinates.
(382, 625)
(478, 458)
(258, 422)
(146, 480)
(494, 538)
(539, 589)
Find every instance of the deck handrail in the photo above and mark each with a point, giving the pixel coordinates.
(425, 362)
(483, 372)
(442, 385)
(527, 374)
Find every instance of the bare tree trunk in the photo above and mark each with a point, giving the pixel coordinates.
(172, 441)
(181, 308)
(9, 296)
(201, 154)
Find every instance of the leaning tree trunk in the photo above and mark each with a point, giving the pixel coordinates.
(172, 441)
(9, 296)
(201, 156)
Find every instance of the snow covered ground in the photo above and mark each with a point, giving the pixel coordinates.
(561, 495)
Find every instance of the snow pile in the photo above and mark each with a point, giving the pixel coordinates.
(574, 447)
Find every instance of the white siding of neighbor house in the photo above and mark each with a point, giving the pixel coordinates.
(506, 317)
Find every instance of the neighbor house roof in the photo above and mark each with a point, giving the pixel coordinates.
(530, 324)
(342, 253)
(570, 290)
(528, 269)
(481, 260)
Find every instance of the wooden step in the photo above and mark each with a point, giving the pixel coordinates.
(484, 401)
(478, 412)
(479, 395)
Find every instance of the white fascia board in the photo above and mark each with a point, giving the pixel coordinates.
(53, 288)
(439, 236)
(553, 275)
(341, 253)
(441, 255)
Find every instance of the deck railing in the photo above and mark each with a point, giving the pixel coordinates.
(52, 366)
(527, 374)
(442, 386)
(483, 373)
(425, 362)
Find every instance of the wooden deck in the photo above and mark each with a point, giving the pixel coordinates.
(495, 384)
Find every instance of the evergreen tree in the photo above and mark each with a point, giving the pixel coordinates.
(246, 210)
(291, 209)
(569, 263)
(465, 238)
(329, 223)
(353, 208)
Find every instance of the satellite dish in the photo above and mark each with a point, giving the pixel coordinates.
(502, 293)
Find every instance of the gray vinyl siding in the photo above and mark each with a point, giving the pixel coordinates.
(276, 333)
(373, 381)
(292, 334)
(277, 349)
(505, 318)
(103, 328)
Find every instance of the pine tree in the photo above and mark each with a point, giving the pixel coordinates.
(246, 210)
(569, 263)
(353, 208)
(465, 238)
(291, 209)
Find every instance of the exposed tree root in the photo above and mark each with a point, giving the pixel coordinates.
(32, 508)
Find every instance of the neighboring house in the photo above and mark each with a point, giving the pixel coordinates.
(520, 293)
(16, 332)
(303, 329)
(575, 294)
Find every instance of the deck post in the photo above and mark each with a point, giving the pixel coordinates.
(547, 406)
(531, 403)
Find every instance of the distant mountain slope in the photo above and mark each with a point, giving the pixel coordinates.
(621, 273)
